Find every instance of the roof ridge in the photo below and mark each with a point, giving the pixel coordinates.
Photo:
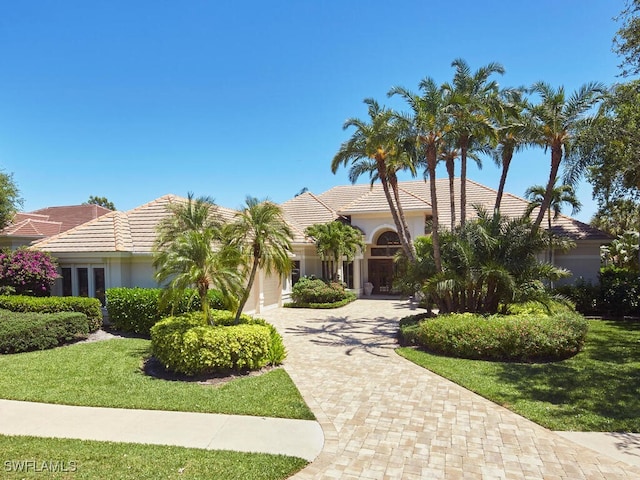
(121, 231)
(361, 197)
(411, 194)
(72, 230)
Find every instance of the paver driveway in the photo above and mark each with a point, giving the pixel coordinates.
(386, 418)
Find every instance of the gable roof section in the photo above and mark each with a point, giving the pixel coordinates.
(73, 215)
(133, 231)
(30, 227)
(305, 210)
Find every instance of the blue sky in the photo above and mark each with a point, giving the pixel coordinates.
(135, 99)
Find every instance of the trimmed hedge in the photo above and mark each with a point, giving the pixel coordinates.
(184, 344)
(138, 309)
(89, 307)
(522, 338)
(316, 293)
(22, 332)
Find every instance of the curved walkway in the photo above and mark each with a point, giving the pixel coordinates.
(385, 418)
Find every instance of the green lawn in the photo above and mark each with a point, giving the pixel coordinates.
(597, 390)
(33, 458)
(109, 374)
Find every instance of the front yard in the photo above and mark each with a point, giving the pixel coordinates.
(597, 390)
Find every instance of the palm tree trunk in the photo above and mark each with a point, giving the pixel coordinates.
(452, 198)
(393, 180)
(394, 213)
(556, 158)
(431, 167)
(247, 292)
(464, 145)
(507, 155)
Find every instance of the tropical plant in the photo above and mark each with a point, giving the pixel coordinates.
(448, 155)
(335, 240)
(491, 262)
(513, 134)
(429, 126)
(560, 195)
(473, 102)
(375, 148)
(557, 119)
(263, 238)
(189, 252)
(623, 251)
(617, 217)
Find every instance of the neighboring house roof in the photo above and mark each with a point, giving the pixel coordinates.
(133, 231)
(50, 221)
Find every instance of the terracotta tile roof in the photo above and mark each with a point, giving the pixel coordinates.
(133, 231)
(415, 196)
(305, 210)
(29, 227)
(73, 215)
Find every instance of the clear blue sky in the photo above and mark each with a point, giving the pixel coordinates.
(135, 99)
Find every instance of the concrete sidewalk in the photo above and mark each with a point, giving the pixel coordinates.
(296, 438)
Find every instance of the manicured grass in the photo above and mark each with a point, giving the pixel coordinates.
(109, 374)
(27, 457)
(597, 390)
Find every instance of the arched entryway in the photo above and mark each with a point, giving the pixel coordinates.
(381, 266)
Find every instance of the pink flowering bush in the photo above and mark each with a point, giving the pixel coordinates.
(27, 272)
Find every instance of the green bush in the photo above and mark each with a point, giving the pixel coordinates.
(585, 296)
(90, 307)
(523, 338)
(138, 309)
(409, 328)
(312, 291)
(538, 308)
(619, 291)
(22, 332)
(184, 344)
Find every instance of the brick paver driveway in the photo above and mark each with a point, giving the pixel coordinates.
(386, 418)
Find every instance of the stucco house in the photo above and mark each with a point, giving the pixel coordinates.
(116, 249)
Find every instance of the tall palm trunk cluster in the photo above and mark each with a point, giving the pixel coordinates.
(462, 119)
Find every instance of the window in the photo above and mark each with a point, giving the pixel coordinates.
(67, 282)
(83, 282)
(98, 284)
(295, 272)
(387, 245)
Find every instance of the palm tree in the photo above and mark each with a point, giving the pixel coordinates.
(560, 195)
(374, 149)
(513, 134)
(557, 120)
(264, 238)
(429, 126)
(335, 240)
(185, 253)
(448, 155)
(472, 105)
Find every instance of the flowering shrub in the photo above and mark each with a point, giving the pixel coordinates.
(27, 272)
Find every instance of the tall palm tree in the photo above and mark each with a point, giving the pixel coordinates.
(334, 240)
(513, 134)
(472, 104)
(557, 119)
(374, 149)
(188, 251)
(560, 195)
(430, 126)
(448, 155)
(264, 238)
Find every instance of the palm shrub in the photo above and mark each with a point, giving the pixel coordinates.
(491, 262)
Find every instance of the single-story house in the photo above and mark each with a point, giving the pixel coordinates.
(115, 250)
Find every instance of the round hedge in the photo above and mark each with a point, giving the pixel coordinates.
(522, 338)
(185, 344)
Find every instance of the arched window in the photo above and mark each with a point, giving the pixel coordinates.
(387, 244)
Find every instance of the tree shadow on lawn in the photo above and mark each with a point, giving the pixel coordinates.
(365, 334)
(586, 388)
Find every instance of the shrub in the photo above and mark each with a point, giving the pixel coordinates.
(185, 344)
(308, 291)
(138, 309)
(585, 295)
(90, 307)
(22, 332)
(619, 291)
(550, 307)
(409, 328)
(524, 338)
(27, 272)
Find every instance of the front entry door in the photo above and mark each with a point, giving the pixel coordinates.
(381, 275)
